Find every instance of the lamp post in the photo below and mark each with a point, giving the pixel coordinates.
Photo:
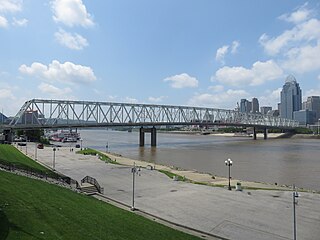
(318, 125)
(26, 145)
(35, 151)
(228, 163)
(135, 170)
(294, 202)
(54, 158)
(81, 144)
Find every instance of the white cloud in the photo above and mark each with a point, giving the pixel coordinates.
(6, 94)
(221, 52)
(71, 40)
(157, 99)
(130, 100)
(3, 22)
(10, 5)
(313, 92)
(303, 59)
(67, 72)
(182, 81)
(270, 98)
(71, 13)
(225, 99)
(298, 16)
(302, 33)
(52, 90)
(224, 50)
(257, 75)
(216, 88)
(20, 22)
(234, 47)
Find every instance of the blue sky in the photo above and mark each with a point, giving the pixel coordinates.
(182, 52)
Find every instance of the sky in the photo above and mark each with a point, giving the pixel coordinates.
(177, 52)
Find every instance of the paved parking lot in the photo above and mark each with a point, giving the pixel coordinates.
(230, 214)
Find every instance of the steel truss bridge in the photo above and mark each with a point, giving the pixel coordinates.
(40, 113)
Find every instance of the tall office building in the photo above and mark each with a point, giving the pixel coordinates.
(291, 99)
(255, 105)
(313, 104)
(245, 106)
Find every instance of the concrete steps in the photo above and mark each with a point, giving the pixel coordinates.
(88, 188)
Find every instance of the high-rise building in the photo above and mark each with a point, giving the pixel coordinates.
(255, 105)
(245, 106)
(265, 110)
(313, 104)
(291, 98)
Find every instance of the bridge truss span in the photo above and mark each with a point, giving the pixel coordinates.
(40, 113)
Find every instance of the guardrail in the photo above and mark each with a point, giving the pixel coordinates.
(94, 182)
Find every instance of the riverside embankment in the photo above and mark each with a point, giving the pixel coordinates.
(250, 214)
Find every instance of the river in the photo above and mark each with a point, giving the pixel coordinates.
(281, 161)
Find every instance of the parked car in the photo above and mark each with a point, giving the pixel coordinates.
(22, 144)
(40, 146)
(77, 145)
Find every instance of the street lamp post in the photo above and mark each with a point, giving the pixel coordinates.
(35, 151)
(54, 158)
(294, 202)
(229, 164)
(26, 146)
(81, 144)
(135, 170)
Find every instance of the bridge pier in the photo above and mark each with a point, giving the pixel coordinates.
(8, 136)
(153, 132)
(265, 133)
(254, 133)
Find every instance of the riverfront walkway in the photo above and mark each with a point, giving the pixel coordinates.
(229, 214)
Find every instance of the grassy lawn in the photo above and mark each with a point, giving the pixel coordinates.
(9, 154)
(32, 209)
(89, 151)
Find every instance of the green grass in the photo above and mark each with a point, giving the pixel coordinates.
(171, 175)
(10, 155)
(32, 209)
(89, 151)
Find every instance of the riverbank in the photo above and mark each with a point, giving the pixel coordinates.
(196, 177)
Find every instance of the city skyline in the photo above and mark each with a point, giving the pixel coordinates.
(164, 52)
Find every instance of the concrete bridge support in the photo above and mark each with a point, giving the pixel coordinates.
(265, 133)
(8, 135)
(153, 132)
(254, 134)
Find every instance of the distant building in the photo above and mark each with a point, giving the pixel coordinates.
(245, 106)
(313, 104)
(305, 117)
(273, 113)
(255, 105)
(265, 110)
(291, 98)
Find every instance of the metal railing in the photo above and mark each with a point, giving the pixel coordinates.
(94, 182)
(37, 173)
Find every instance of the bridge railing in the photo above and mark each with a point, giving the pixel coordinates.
(58, 113)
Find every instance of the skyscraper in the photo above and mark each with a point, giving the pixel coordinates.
(291, 99)
(245, 106)
(255, 105)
